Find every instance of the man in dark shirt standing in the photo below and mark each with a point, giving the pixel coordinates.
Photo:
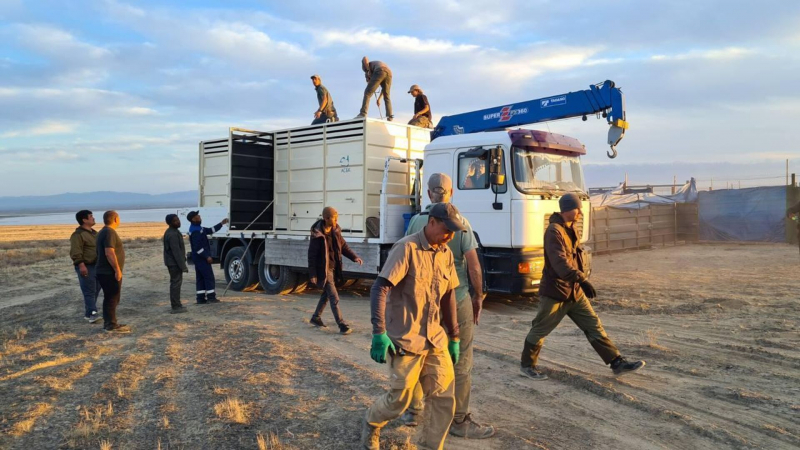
(110, 263)
(326, 113)
(422, 109)
(175, 260)
(83, 251)
(377, 74)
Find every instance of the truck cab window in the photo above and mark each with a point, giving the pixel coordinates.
(543, 172)
(473, 173)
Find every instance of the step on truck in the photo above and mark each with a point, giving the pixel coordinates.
(273, 185)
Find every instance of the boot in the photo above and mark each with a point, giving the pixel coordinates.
(621, 365)
(370, 436)
(470, 429)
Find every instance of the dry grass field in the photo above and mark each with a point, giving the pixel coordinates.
(718, 326)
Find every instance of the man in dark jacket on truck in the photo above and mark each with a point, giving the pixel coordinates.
(326, 113)
(377, 74)
(325, 250)
(83, 251)
(175, 260)
(563, 292)
(201, 257)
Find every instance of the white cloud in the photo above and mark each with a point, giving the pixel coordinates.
(57, 43)
(373, 38)
(531, 62)
(712, 54)
(45, 128)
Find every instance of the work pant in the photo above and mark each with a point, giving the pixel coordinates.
(549, 316)
(421, 121)
(326, 118)
(382, 78)
(463, 369)
(90, 289)
(112, 289)
(175, 282)
(205, 280)
(330, 294)
(433, 369)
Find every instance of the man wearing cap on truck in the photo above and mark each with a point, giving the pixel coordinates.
(377, 74)
(563, 292)
(201, 257)
(326, 113)
(463, 246)
(419, 279)
(422, 109)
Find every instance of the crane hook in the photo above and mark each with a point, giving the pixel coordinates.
(613, 153)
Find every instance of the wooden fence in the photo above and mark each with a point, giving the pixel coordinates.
(616, 229)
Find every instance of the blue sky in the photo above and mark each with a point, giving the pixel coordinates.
(114, 95)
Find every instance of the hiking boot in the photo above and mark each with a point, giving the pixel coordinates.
(370, 436)
(531, 372)
(202, 302)
(621, 365)
(469, 429)
(345, 329)
(178, 310)
(409, 419)
(317, 322)
(360, 116)
(213, 300)
(94, 317)
(119, 328)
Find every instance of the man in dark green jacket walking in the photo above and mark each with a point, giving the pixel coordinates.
(175, 260)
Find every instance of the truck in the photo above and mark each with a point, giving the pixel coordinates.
(273, 185)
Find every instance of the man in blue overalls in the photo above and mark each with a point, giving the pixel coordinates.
(201, 256)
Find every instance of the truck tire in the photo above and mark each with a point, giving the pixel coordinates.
(276, 280)
(238, 270)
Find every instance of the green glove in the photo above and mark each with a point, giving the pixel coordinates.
(454, 347)
(380, 344)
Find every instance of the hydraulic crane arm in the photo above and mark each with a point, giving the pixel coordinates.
(604, 98)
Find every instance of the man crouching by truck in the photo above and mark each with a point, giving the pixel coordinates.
(201, 257)
(420, 279)
(325, 250)
(563, 292)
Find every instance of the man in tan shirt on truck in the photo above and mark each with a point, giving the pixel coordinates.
(419, 279)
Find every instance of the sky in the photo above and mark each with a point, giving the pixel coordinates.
(114, 95)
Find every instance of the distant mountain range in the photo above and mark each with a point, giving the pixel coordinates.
(101, 200)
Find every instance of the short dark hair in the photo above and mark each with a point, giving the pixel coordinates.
(109, 216)
(82, 215)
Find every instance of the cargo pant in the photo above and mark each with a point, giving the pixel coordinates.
(175, 282)
(433, 369)
(326, 117)
(421, 121)
(382, 78)
(205, 280)
(463, 370)
(548, 317)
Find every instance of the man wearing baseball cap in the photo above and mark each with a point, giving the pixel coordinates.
(201, 257)
(422, 109)
(465, 256)
(563, 292)
(326, 113)
(419, 279)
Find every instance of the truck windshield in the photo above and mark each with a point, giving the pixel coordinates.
(543, 172)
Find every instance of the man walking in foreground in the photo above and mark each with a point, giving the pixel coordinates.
(83, 251)
(420, 280)
(326, 113)
(422, 109)
(465, 257)
(175, 260)
(110, 263)
(201, 257)
(325, 250)
(377, 74)
(563, 292)
(790, 212)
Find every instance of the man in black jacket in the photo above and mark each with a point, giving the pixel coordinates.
(563, 292)
(175, 260)
(325, 251)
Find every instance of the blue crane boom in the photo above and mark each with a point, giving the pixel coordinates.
(604, 98)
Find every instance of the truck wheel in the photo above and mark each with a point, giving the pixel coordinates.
(238, 270)
(276, 280)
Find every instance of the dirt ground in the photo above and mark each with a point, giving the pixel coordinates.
(717, 324)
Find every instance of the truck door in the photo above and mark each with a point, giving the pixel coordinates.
(486, 206)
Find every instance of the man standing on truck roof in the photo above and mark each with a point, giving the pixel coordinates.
(326, 113)
(83, 251)
(563, 292)
(422, 109)
(110, 264)
(377, 74)
(790, 212)
(465, 257)
(420, 280)
(325, 250)
(175, 260)
(201, 257)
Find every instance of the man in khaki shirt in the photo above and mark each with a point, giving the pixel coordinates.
(420, 279)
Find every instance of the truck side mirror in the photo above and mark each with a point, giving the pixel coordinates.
(496, 175)
(498, 179)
